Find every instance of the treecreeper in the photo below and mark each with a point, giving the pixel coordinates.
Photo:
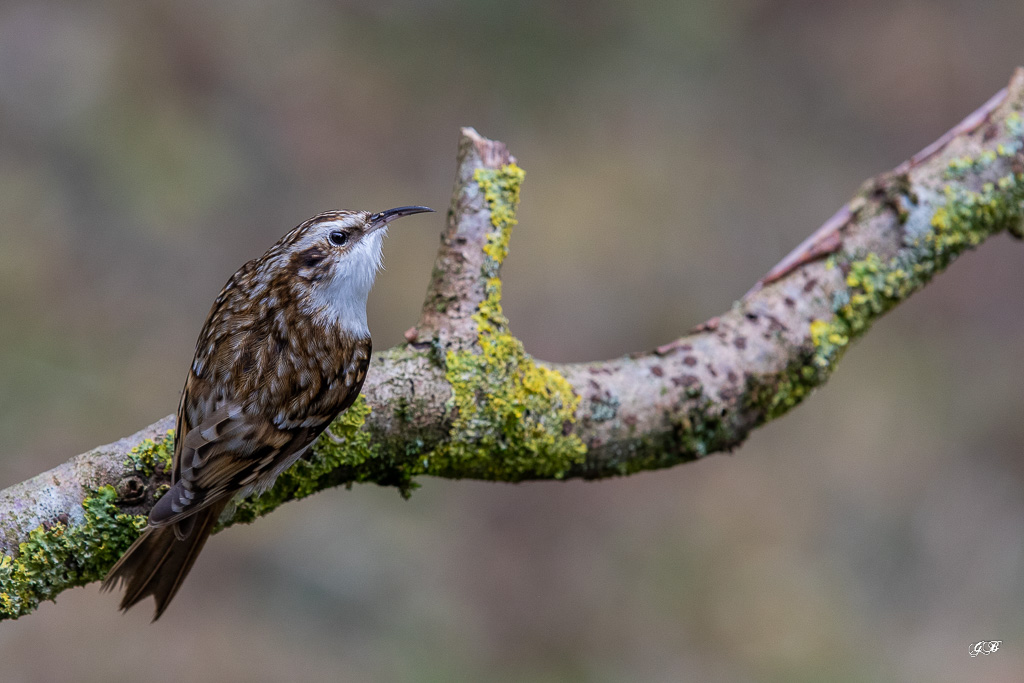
(283, 352)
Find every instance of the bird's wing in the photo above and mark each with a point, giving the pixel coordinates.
(238, 446)
(228, 451)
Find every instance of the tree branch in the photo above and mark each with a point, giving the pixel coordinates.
(462, 398)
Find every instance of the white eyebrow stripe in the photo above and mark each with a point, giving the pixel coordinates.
(346, 222)
(319, 231)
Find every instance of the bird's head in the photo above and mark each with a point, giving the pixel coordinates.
(332, 259)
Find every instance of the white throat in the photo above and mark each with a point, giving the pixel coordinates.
(343, 298)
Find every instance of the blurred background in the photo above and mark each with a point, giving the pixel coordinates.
(674, 152)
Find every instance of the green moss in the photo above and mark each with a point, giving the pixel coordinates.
(153, 454)
(60, 556)
(354, 457)
(642, 454)
(701, 429)
(512, 418)
(511, 415)
(777, 395)
(704, 431)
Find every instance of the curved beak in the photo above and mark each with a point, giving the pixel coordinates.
(379, 220)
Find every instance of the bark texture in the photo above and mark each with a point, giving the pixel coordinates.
(463, 399)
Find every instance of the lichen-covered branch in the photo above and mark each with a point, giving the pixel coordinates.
(463, 398)
(458, 283)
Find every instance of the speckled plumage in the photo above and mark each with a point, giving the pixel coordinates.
(284, 350)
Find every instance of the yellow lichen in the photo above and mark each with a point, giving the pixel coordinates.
(501, 192)
(873, 285)
(511, 417)
(57, 556)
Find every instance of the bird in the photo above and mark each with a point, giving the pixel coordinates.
(284, 350)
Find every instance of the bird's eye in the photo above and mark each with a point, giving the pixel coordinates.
(338, 238)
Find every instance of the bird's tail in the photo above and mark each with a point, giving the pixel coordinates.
(158, 561)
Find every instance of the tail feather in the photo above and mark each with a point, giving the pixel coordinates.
(159, 560)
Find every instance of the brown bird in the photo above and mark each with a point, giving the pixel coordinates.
(284, 350)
